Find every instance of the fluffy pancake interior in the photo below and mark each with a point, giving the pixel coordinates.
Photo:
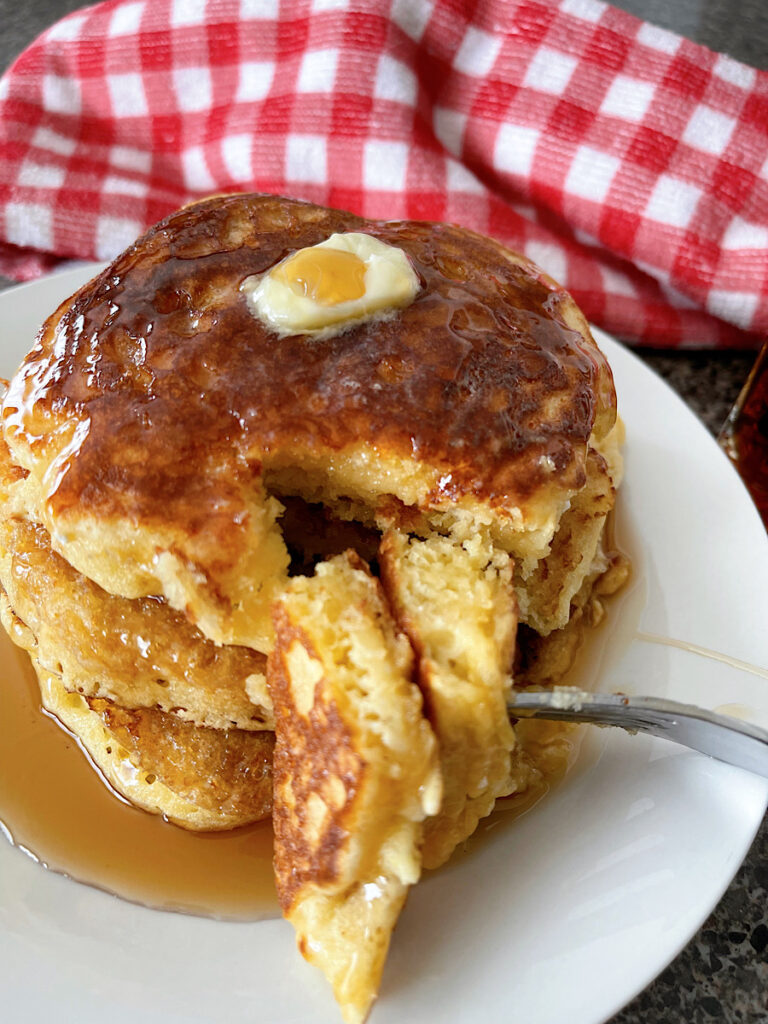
(355, 771)
(456, 603)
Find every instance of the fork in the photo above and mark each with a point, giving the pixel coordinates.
(721, 736)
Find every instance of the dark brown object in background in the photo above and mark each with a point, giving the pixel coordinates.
(744, 436)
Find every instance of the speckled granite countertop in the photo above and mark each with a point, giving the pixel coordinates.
(722, 974)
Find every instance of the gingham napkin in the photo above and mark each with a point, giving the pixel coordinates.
(628, 162)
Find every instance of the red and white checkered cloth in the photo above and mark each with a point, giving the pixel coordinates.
(628, 162)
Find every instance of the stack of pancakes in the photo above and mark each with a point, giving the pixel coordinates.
(215, 541)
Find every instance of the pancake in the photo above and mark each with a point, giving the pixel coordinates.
(356, 773)
(184, 466)
(456, 603)
(138, 654)
(161, 421)
(199, 778)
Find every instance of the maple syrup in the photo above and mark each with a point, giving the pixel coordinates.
(55, 805)
(745, 434)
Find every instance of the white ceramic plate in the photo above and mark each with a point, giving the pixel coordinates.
(565, 915)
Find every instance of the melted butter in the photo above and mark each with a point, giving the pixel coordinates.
(59, 809)
(327, 276)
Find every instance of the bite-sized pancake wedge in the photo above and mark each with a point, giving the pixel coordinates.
(139, 654)
(161, 419)
(200, 778)
(456, 604)
(356, 773)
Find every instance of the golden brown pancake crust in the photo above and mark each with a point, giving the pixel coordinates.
(229, 772)
(180, 392)
(314, 748)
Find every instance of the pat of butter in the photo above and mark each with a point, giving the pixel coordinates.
(325, 288)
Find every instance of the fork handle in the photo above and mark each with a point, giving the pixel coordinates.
(720, 736)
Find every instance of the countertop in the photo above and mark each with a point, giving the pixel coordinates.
(722, 974)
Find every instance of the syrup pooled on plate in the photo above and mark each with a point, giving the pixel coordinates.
(56, 807)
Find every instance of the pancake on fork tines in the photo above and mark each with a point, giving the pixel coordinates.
(356, 774)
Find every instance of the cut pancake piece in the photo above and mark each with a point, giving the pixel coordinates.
(456, 603)
(355, 774)
(138, 653)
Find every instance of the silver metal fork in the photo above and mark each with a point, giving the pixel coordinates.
(720, 736)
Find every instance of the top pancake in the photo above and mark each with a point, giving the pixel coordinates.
(154, 398)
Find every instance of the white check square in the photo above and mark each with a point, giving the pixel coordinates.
(130, 159)
(477, 53)
(732, 71)
(126, 95)
(736, 307)
(385, 165)
(549, 71)
(616, 283)
(61, 95)
(587, 10)
(515, 148)
(34, 175)
(193, 88)
(591, 174)
(194, 167)
(449, 128)
(306, 159)
(709, 130)
(318, 71)
(255, 81)
(187, 12)
(29, 224)
(628, 98)
(44, 138)
(395, 81)
(550, 258)
(114, 184)
(741, 234)
(259, 9)
(68, 28)
(658, 38)
(412, 16)
(126, 19)
(236, 153)
(113, 234)
(673, 202)
(459, 178)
